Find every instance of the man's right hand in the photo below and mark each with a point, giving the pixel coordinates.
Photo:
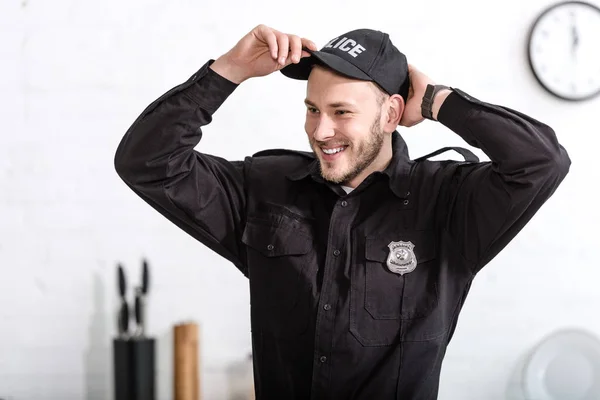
(262, 51)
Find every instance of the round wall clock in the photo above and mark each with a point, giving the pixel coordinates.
(564, 50)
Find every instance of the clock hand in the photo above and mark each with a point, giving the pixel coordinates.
(575, 41)
(574, 34)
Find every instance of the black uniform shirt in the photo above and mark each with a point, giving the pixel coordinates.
(353, 296)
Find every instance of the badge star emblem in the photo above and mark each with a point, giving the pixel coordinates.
(401, 259)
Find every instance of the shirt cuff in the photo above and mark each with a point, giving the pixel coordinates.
(209, 90)
(455, 110)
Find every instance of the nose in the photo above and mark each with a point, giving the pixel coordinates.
(324, 129)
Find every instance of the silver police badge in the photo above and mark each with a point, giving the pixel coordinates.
(401, 259)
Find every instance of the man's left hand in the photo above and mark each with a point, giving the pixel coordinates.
(418, 83)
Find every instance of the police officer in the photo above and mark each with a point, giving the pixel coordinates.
(359, 258)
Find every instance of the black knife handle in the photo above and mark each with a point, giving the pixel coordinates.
(138, 309)
(145, 277)
(122, 283)
(124, 318)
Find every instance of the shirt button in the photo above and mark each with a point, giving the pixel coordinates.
(327, 307)
(270, 247)
(323, 359)
(336, 253)
(344, 203)
(406, 202)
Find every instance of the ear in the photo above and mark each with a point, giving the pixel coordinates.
(395, 109)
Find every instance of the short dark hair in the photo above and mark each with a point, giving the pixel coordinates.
(380, 94)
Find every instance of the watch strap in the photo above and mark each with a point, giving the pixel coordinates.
(427, 102)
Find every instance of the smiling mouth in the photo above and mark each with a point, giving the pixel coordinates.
(332, 151)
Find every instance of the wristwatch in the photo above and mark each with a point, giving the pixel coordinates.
(428, 97)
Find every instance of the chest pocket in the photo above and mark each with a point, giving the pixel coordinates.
(278, 257)
(387, 307)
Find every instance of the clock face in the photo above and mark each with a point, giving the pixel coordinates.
(564, 50)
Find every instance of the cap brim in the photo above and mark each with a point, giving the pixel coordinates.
(302, 70)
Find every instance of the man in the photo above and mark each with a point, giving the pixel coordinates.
(359, 259)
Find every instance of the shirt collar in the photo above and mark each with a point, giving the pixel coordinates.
(398, 170)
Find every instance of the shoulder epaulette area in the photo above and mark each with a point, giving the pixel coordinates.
(284, 152)
(467, 154)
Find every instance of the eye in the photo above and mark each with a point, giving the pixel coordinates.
(312, 110)
(342, 112)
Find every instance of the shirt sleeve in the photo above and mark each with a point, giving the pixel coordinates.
(487, 204)
(200, 193)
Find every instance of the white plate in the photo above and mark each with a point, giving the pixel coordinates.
(565, 366)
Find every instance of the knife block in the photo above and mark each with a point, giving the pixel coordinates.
(134, 368)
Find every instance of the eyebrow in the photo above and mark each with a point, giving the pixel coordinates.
(338, 104)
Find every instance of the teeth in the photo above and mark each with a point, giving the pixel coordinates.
(332, 151)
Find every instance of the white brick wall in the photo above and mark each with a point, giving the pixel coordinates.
(74, 75)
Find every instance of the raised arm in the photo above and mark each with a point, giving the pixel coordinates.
(200, 193)
(487, 204)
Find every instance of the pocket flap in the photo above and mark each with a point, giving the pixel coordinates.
(275, 241)
(377, 246)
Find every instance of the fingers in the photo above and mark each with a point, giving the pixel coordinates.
(268, 35)
(290, 48)
(295, 48)
(284, 48)
(283, 43)
(309, 44)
